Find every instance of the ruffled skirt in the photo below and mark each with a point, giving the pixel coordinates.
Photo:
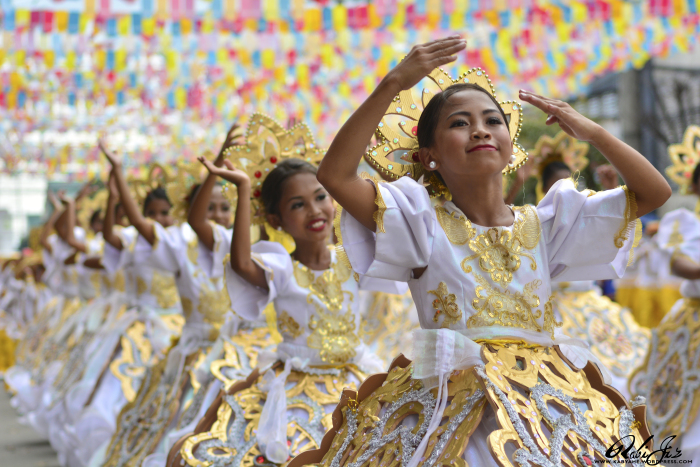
(669, 379)
(525, 403)
(173, 398)
(610, 330)
(226, 436)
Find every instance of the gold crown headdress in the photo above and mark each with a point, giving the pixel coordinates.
(88, 206)
(684, 158)
(398, 130)
(562, 148)
(187, 175)
(158, 176)
(267, 143)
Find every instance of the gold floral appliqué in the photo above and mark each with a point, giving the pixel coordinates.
(288, 325)
(193, 251)
(503, 308)
(499, 250)
(333, 334)
(676, 237)
(213, 305)
(458, 229)
(164, 289)
(445, 305)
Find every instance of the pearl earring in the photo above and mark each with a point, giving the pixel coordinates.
(512, 159)
(432, 164)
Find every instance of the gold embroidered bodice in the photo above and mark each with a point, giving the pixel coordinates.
(500, 282)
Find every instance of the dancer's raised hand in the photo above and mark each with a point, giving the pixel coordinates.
(111, 156)
(228, 173)
(424, 58)
(573, 123)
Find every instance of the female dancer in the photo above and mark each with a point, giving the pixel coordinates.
(480, 276)
(281, 409)
(138, 339)
(668, 378)
(178, 390)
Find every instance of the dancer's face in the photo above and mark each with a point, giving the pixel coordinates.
(306, 209)
(159, 211)
(471, 137)
(219, 209)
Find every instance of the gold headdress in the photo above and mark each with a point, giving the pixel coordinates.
(562, 148)
(267, 144)
(684, 158)
(179, 188)
(89, 205)
(398, 130)
(158, 176)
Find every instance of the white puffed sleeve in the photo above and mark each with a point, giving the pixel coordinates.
(113, 259)
(406, 224)
(588, 236)
(222, 247)
(679, 233)
(249, 301)
(168, 252)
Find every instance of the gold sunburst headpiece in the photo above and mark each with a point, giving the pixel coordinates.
(89, 205)
(560, 148)
(158, 176)
(187, 175)
(267, 143)
(398, 131)
(684, 158)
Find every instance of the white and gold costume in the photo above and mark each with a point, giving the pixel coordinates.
(283, 408)
(490, 358)
(668, 377)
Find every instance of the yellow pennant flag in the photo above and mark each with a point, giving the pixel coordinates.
(49, 58)
(21, 18)
(120, 60)
(148, 26)
(340, 17)
(61, 20)
(70, 61)
(303, 76)
(267, 57)
(123, 25)
(185, 26)
(20, 56)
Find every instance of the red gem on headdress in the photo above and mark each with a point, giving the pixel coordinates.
(587, 461)
(258, 174)
(273, 159)
(256, 193)
(415, 157)
(289, 442)
(260, 459)
(415, 131)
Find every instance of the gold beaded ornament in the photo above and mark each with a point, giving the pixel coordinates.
(684, 158)
(187, 175)
(158, 176)
(398, 131)
(267, 143)
(562, 148)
